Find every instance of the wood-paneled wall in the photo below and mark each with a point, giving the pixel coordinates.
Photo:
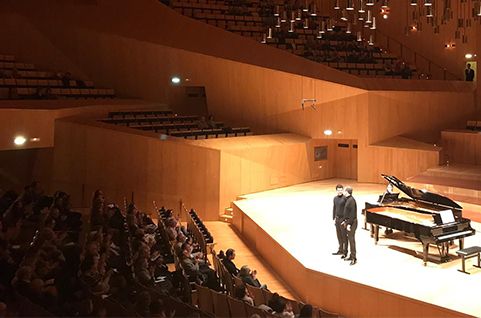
(462, 146)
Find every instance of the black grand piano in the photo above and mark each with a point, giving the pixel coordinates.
(430, 217)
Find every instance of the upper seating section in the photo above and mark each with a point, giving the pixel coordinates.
(23, 81)
(290, 28)
(169, 123)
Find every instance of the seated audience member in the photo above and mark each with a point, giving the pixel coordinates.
(241, 293)
(228, 262)
(172, 228)
(306, 311)
(142, 305)
(97, 283)
(202, 123)
(22, 279)
(249, 277)
(196, 269)
(97, 210)
(284, 309)
(211, 122)
(275, 303)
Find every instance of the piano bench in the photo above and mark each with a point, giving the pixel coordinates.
(469, 252)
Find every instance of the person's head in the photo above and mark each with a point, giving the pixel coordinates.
(244, 271)
(230, 254)
(186, 249)
(348, 191)
(240, 292)
(468, 66)
(306, 311)
(339, 189)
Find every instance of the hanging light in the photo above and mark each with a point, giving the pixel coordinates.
(385, 4)
(299, 15)
(264, 38)
(348, 30)
(278, 24)
(479, 10)
(269, 33)
(314, 10)
(361, 7)
(306, 7)
(373, 26)
(293, 16)
(414, 2)
(323, 27)
(350, 5)
(319, 34)
(369, 16)
(306, 23)
(370, 3)
(337, 6)
(284, 17)
(359, 36)
(428, 3)
(371, 40)
(278, 10)
(291, 28)
(329, 25)
(429, 12)
(344, 15)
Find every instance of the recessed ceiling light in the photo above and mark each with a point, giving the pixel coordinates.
(19, 140)
(175, 80)
(328, 132)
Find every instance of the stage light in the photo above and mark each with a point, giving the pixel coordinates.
(264, 39)
(269, 33)
(370, 3)
(361, 7)
(327, 132)
(349, 5)
(373, 26)
(35, 139)
(337, 6)
(468, 56)
(19, 140)
(428, 3)
(385, 16)
(359, 36)
(369, 16)
(175, 80)
(414, 2)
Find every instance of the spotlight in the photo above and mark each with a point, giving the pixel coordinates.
(327, 132)
(175, 80)
(19, 140)
(385, 16)
(468, 56)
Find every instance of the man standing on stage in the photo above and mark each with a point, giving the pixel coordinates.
(338, 217)
(350, 223)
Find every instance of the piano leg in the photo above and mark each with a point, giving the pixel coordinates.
(461, 243)
(376, 233)
(425, 253)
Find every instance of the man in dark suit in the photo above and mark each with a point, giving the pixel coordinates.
(338, 216)
(350, 223)
(469, 73)
(228, 262)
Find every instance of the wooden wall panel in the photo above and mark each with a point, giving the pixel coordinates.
(126, 164)
(462, 147)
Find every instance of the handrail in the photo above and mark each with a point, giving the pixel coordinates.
(403, 48)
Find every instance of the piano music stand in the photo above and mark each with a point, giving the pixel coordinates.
(469, 252)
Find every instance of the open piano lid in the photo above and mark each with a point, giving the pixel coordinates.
(422, 195)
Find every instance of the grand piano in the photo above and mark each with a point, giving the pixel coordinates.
(430, 217)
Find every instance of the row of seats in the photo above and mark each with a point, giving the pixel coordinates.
(7, 58)
(182, 126)
(21, 80)
(242, 25)
(196, 134)
(48, 93)
(473, 125)
(16, 65)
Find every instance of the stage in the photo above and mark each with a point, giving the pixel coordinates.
(293, 230)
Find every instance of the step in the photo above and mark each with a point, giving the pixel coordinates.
(229, 211)
(226, 218)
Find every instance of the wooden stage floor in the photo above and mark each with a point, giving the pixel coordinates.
(297, 221)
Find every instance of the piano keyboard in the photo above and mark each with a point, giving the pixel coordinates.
(453, 235)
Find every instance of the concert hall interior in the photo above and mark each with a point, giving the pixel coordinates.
(141, 140)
